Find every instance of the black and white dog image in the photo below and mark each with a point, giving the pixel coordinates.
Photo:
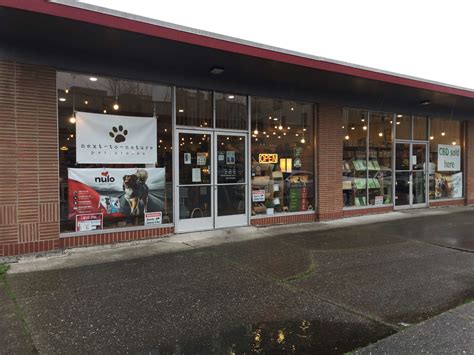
(136, 190)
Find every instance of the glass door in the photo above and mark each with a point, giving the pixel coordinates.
(410, 175)
(231, 180)
(194, 190)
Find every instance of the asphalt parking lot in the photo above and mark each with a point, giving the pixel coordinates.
(303, 288)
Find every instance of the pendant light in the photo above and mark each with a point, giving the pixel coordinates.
(116, 105)
(256, 123)
(72, 119)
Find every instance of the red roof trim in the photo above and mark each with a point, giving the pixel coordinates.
(73, 13)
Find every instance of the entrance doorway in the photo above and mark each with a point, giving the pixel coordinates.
(212, 188)
(410, 188)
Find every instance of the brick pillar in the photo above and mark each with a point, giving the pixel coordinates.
(329, 162)
(469, 162)
(29, 201)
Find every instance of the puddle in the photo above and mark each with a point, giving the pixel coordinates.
(291, 337)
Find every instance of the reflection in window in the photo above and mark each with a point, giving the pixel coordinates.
(444, 167)
(420, 128)
(231, 111)
(194, 108)
(367, 170)
(379, 166)
(282, 156)
(108, 96)
(354, 164)
(403, 126)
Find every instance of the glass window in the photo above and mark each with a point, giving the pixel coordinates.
(354, 163)
(444, 167)
(420, 128)
(194, 108)
(403, 126)
(100, 191)
(380, 158)
(231, 111)
(282, 156)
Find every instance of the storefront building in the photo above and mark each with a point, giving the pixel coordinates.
(117, 128)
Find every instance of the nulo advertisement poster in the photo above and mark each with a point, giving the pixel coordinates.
(112, 139)
(116, 192)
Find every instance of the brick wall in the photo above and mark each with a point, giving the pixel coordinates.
(329, 162)
(29, 200)
(469, 162)
(29, 194)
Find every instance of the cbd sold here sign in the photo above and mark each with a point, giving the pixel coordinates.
(449, 157)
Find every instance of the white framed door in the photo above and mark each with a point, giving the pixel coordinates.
(194, 190)
(411, 184)
(231, 179)
(211, 174)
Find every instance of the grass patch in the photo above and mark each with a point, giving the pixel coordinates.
(11, 294)
(302, 275)
(3, 270)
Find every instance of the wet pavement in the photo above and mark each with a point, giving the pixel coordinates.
(302, 289)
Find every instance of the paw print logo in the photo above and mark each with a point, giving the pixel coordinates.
(118, 134)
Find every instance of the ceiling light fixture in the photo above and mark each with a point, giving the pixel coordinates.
(431, 137)
(231, 97)
(62, 99)
(93, 78)
(425, 102)
(180, 110)
(216, 70)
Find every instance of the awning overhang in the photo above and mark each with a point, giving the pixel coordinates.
(109, 43)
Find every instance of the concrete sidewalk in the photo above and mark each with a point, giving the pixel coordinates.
(449, 333)
(322, 287)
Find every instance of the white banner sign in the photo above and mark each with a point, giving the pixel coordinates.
(449, 157)
(115, 139)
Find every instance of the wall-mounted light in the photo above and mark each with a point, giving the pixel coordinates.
(380, 134)
(364, 128)
(286, 165)
(303, 141)
(62, 99)
(180, 110)
(64, 148)
(443, 133)
(72, 119)
(66, 91)
(231, 97)
(454, 143)
(431, 137)
(116, 106)
(346, 138)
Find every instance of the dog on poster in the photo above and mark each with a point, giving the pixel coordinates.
(136, 190)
